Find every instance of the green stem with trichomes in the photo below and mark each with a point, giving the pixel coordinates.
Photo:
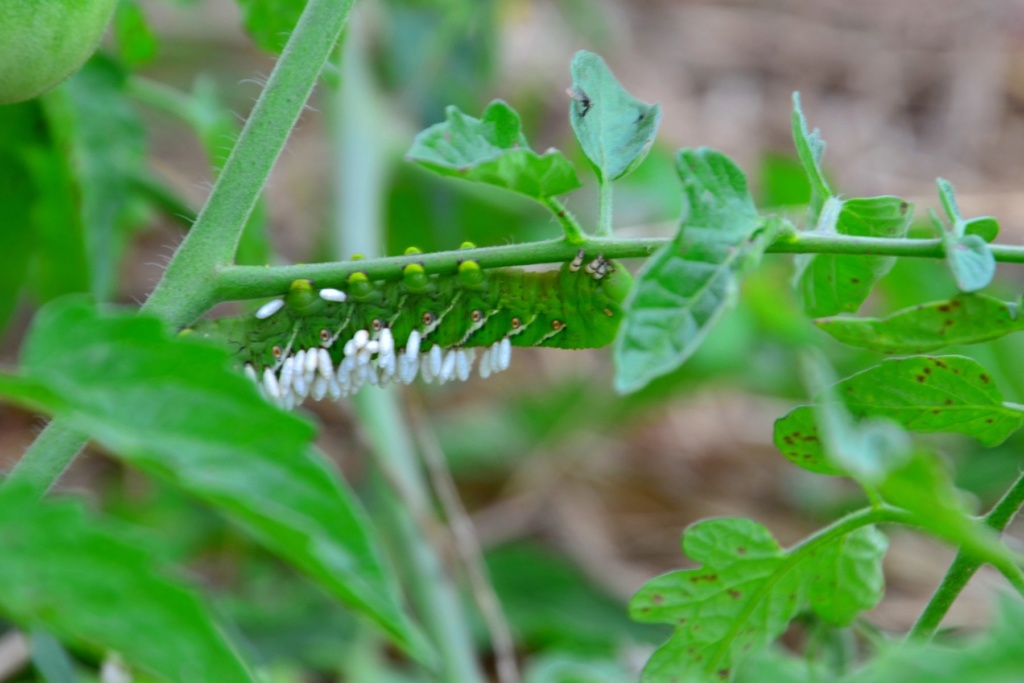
(570, 226)
(246, 282)
(965, 565)
(188, 286)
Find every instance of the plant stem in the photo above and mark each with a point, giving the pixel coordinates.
(604, 215)
(184, 292)
(47, 457)
(965, 565)
(187, 287)
(573, 231)
(247, 282)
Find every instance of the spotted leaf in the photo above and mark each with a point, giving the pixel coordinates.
(746, 592)
(965, 319)
(922, 393)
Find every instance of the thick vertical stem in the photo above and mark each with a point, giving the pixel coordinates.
(186, 288)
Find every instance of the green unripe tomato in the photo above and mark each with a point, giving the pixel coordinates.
(42, 42)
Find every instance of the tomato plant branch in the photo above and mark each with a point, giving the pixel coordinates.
(46, 459)
(186, 287)
(247, 282)
(573, 231)
(965, 565)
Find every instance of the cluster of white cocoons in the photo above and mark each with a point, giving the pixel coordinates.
(372, 359)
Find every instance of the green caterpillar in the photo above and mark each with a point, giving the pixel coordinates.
(330, 342)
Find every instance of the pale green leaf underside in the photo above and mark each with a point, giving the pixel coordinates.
(971, 261)
(965, 319)
(172, 408)
(492, 150)
(922, 393)
(689, 284)
(746, 592)
(615, 129)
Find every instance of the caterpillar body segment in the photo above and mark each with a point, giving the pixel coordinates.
(333, 341)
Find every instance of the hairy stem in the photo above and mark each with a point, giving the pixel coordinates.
(965, 565)
(184, 292)
(187, 287)
(48, 456)
(247, 282)
(573, 231)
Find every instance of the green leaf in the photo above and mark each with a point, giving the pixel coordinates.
(689, 284)
(550, 604)
(971, 261)
(60, 265)
(964, 319)
(103, 141)
(270, 22)
(170, 406)
(614, 129)
(923, 394)
(810, 148)
(135, 40)
(96, 586)
(746, 592)
(832, 283)
(494, 151)
(21, 125)
(985, 227)
(866, 451)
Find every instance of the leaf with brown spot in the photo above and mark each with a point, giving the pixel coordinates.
(953, 397)
(966, 319)
(758, 588)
